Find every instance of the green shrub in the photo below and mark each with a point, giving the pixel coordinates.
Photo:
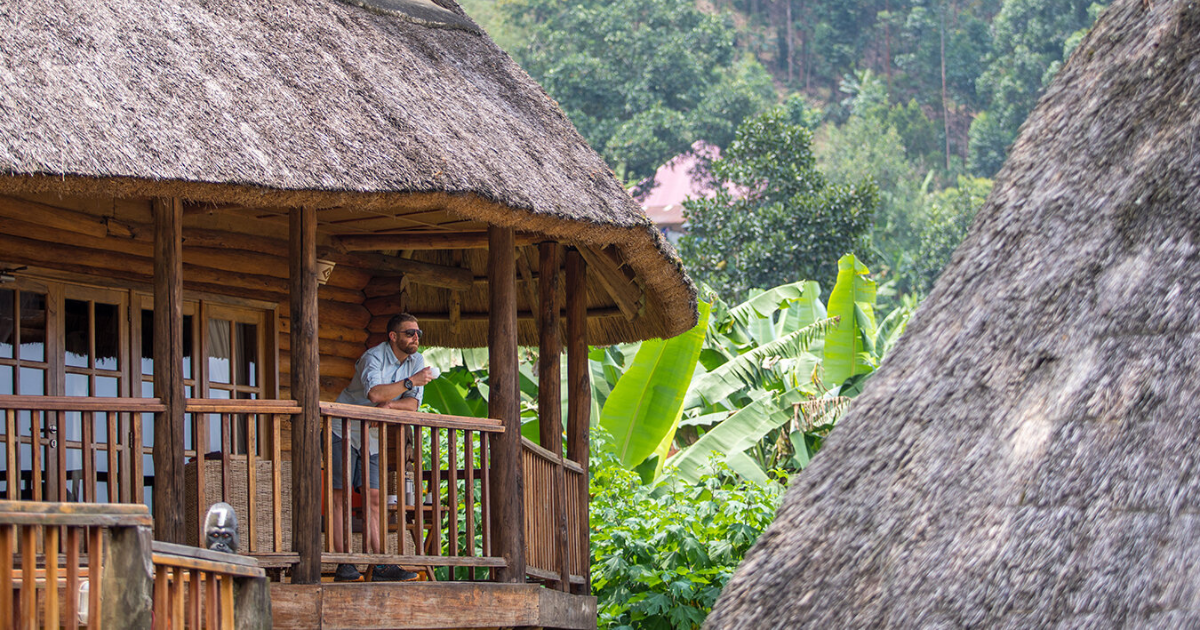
(662, 553)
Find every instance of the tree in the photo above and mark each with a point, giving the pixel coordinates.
(1028, 44)
(640, 80)
(773, 218)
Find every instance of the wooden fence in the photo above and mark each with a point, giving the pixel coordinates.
(556, 534)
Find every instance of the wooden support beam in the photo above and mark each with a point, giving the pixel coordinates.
(421, 241)
(417, 272)
(628, 296)
(550, 398)
(504, 404)
(579, 385)
(379, 322)
(531, 291)
(306, 391)
(168, 370)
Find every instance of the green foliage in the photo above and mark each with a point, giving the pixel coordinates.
(951, 212)
(662, 553)
(640, 80)
(850, 347)
(643, 408)
(1029, 36)
(783, 222)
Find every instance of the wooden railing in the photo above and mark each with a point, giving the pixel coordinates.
(50, 551)
(446, 520)
(196, 588)
(554, 545)
(68, 448)
(250, 475)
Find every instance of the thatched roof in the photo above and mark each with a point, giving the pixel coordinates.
(1029, 455)
(373, 108)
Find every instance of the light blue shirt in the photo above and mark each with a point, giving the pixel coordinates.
(377, 366)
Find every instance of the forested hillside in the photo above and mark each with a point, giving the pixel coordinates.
(917, 98)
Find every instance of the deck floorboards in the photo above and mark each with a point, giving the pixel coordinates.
(428, 606)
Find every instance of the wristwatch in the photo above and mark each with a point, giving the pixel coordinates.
(408, 384)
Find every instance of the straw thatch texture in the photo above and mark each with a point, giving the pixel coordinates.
(1029, 456)
(309, 102)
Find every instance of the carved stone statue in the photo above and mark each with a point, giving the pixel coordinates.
(220, 528)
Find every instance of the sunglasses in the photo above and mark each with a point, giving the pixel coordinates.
(413, 332)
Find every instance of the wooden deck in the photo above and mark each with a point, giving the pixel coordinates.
(428, 605)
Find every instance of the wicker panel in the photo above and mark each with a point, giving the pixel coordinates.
(264, 505)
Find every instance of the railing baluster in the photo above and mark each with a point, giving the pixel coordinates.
(469, 458)
(419, 488)
(485, 503)
(177, 577)
(347, 490)
(227, 602)
(327, 439)
(115, 485)
(435, 487)
(382, 505)
(277, 483)
(6, 574)
(453, 493)
(52, 577)
(402, 491)
(60, 450)
(71, 595)
(251, 482)
(210, 601)
(194, 599)
(88, 448)
(200, 443)
(226, 455)
(29, 611)
(12, 442)
(161, 616)
(35, 448)
(95, 560)
(134, 454)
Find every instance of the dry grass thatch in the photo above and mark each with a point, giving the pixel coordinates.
(1029, 456)
(360, 104)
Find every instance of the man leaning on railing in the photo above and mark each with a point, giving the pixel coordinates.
(390, 375)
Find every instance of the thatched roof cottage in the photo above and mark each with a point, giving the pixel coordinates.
(171, 174)
(1028, 454)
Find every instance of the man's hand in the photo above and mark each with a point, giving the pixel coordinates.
(420, 379)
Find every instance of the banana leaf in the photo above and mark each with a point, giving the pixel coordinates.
(764, 305)
(747, 371)
(737, 433)
(645, 404)
(852, 302)
(805, 311)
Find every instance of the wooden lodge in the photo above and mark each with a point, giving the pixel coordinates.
(208, 212)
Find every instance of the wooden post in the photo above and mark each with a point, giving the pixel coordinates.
(550, 397)
(306, 389)
(168, 370)
(504, 404)
(579, 384)
(127, 577)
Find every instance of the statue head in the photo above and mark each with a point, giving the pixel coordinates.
(220, 528)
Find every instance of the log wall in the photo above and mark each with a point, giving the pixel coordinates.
(110, 242)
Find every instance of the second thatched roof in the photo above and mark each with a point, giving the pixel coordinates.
(1029, 455)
